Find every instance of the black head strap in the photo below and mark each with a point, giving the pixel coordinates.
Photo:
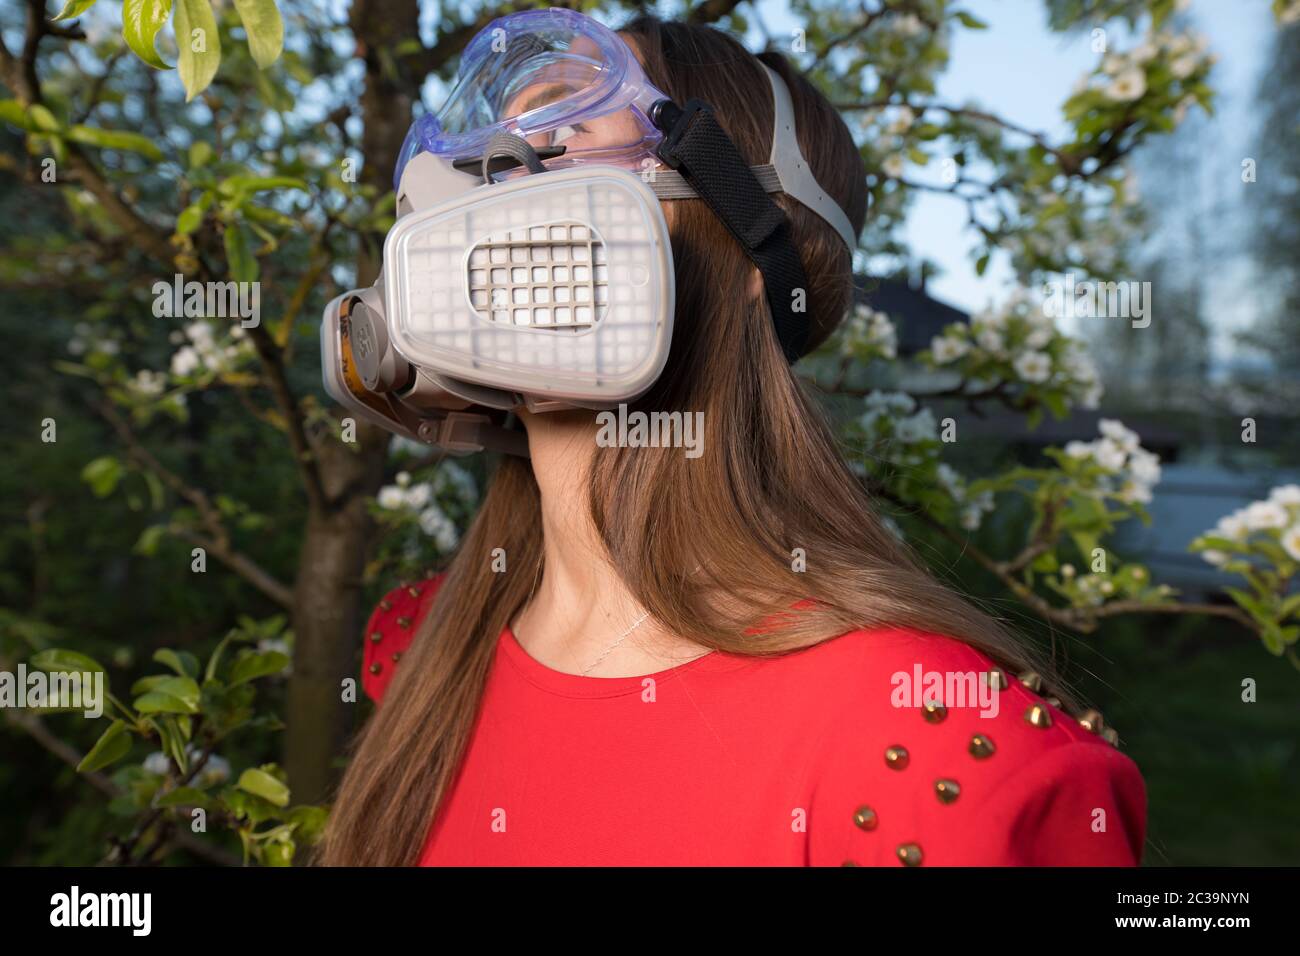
(698, 148)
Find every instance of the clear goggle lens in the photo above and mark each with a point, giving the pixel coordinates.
(554, 77)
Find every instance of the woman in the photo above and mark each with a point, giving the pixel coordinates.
(639, 657)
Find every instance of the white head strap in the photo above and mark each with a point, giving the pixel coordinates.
(786, 170)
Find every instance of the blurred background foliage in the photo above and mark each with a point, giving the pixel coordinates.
(276, 167)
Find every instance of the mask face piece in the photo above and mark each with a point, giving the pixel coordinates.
(557, 285)
(530, 264)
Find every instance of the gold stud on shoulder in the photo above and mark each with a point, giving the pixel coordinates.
(413, 591)
(864, 818)
(981, 747)
(909, 854)
(947, 790)
(397, 657)
(376, 637)
(376, 667)
(897, 758)
(403, 622)
(996, 678)
(1054, 701)
(935, 712)
(1038, 716)
(385, 605)
(1092, 722)
(1031, 680)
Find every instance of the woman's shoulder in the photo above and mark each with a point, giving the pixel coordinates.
(390, 630)
(933, 754)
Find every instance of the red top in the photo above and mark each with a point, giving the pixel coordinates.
(805, 759)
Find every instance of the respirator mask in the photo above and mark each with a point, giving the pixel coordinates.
(530, 263)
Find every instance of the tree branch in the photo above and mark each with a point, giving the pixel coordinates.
(304, 455)
(1083, 620)
(37, 730)
(219, 541)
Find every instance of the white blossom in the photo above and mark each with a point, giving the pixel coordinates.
(1128, 85)
(391, 497)
(435, 523)
(947, 349)
(185, 361)
(1291, 541)
(1233, 527)
(1117, 432)
(990, 340)
(1265, 515)
(1285, 495)
(1184, 66)
(1034, 367)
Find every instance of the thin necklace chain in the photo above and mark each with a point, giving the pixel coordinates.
(621, 638)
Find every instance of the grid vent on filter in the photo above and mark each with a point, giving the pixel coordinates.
(552, 276)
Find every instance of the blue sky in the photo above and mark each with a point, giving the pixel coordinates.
(1021, 70)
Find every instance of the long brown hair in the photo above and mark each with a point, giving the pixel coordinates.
(704, 545)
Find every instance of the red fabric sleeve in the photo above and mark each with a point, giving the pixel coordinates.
(1076, 805)
(1050, 793)
(390, 630)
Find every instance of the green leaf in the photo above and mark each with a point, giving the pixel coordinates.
(200, 153)
(196, 27)
(1253, 606)
(262, 784)
(233, 185)
(279, 853)
(309, 822)
(183, 797)
(172, 743)
(240, 261)
(970, 21)
(183, 663)
(112, 746)
(141, 21)
(172, 695)
(252, 666)
(74, 8)
(103, 475)
(42, 119)
(146, 684)
(115, 139)
(58, 661)
(265, 29)
(13, 113)
(150, 538)
(191, 216)
(155, 703)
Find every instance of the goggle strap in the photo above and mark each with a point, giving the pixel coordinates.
(670, 184)
(701, 151)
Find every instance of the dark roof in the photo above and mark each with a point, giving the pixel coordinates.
(917, 316)
(1080, 424)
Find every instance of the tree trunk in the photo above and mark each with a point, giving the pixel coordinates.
(328, 614)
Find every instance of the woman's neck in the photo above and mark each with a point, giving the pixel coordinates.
(581, 617)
